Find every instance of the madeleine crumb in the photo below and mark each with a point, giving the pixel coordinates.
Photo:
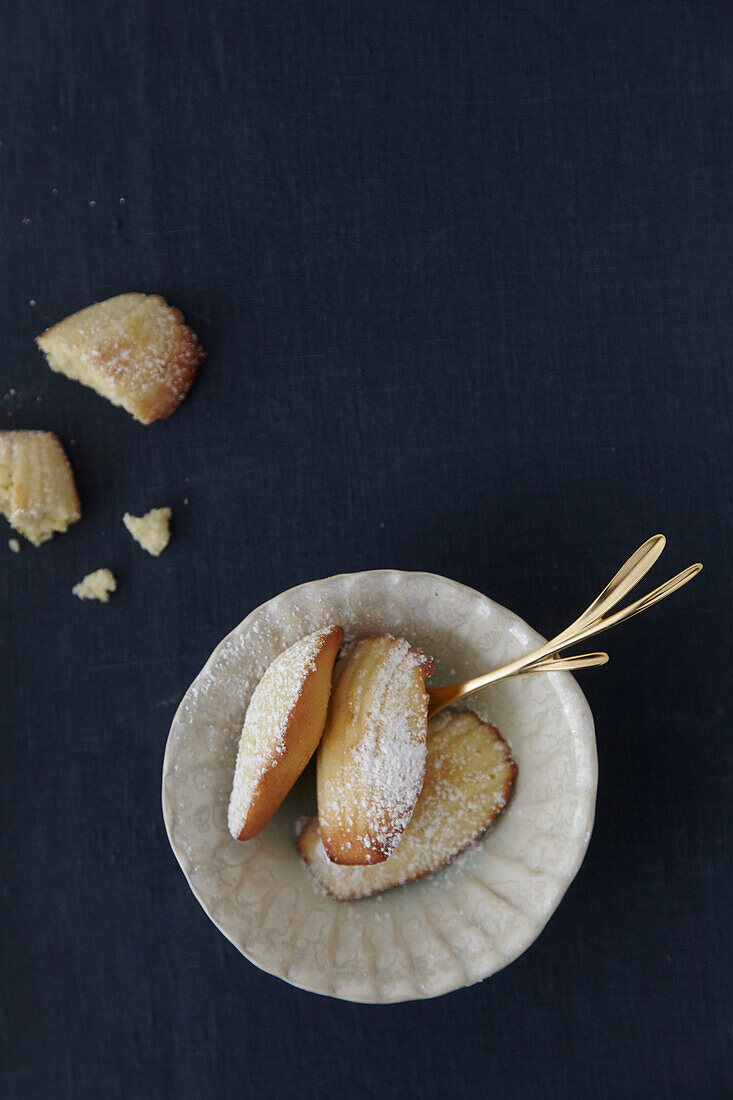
(96, 586)
(151, 531)
(14, 545)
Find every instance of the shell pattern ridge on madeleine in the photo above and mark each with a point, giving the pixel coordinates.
(469, 777)
(37, 490)
(371, 760)
(134, 349)
(282, 728)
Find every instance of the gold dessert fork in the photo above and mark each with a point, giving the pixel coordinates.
(593, 620)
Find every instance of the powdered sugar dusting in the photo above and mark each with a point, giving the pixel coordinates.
(468, 779)
(382, 719)
(391, 755)
(262, 742)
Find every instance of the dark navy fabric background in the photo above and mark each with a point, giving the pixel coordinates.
(462, 270)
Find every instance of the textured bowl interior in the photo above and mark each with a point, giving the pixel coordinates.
(453, 928)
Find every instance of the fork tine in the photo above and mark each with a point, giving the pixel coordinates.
(658, 594)
(629, 575)
(638, 606)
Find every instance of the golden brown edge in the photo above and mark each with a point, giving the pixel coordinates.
(72, 479)
(266, 800)
(185, 362)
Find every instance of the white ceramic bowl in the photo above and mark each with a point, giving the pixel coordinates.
(456, 926)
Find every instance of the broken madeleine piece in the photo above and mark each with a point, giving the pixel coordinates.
(133, 349)
(282, 727)
(371, 760)
(96, 586)
(37, 491)
(151, 531)
(468, 779)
